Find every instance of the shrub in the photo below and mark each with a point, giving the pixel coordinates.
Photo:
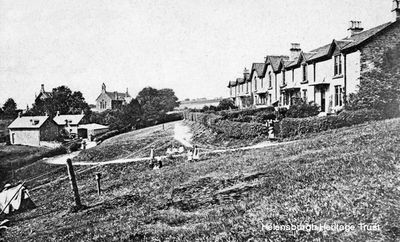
(226, 104)
(235, 115)
(291, 127)
(237, 130)
(263, 117)
(302, 109)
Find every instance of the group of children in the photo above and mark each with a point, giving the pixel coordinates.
(192, 154)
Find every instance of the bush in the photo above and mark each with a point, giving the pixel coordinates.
(292, 127)
(240, 114)
(302, 109)
(237, 130)
(263, 117)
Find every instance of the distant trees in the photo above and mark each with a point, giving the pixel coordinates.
(9, 108)
(63, 100)
(156, 103)
(148, 108)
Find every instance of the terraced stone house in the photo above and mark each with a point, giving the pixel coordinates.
(325, 75)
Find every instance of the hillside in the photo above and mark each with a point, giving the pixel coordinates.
(346, 176)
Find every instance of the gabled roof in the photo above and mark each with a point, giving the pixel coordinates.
(73, 119)
(28, 122)
(360, 38)
(232, 83)
(240, 80)
(258, 68)
(346, 44)
(275, 61)
(45, 95)
(117, 95)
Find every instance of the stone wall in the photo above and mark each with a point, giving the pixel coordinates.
(49, 131)
(372, 53)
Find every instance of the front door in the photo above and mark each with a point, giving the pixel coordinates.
(322, 100)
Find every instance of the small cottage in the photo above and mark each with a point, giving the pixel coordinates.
(32, 130)
(68, 122)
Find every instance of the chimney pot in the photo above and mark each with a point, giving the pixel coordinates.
(355, 27)
(396, 10)
(294, 51)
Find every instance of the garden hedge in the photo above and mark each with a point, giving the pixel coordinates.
(291, 127)
(237, 130)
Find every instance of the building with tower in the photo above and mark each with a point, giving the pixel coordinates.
(111, 100)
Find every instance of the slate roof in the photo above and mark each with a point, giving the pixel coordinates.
(240, 80)
(275, 60)
(29, 122)
(258, 68)
(232, 83)
(348, 42)
(73, 119)
(93, 126)
(117, 95)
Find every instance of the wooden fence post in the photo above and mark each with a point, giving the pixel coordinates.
(74, 186)
(98, 177)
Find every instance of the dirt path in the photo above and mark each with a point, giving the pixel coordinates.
(182, 134)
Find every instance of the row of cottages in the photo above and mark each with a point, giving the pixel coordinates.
(325, 75)
(111, 100)
(36, 130)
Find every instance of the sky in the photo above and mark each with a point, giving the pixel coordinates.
(192, 46)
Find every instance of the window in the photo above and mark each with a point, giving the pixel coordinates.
(314, 70)
(283, 78)
(304, 73)
(338, 65)
(270, 79)
(262, 83)
(293, 75)
(247, 86)
(255, 83)
(305, 95)
(270, 98)
(338, 96)
(230, 89)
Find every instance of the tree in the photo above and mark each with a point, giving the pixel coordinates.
(63, 100)
(226, 104)
(10, 108)
(156, 103)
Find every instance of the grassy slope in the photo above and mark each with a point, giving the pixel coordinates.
(350, 175)
(133, 144)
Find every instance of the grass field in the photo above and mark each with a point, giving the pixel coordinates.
(345, 176)
(14, 157)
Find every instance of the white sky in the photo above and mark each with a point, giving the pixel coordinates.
(192, 46)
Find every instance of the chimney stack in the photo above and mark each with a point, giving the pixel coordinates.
(103, 88)
(396, 10)
(58, 113)
(19, 114)
(354, 28)
(295, 51)
(42, 88)
(246, 74)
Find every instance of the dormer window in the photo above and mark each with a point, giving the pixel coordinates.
(338, 65)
